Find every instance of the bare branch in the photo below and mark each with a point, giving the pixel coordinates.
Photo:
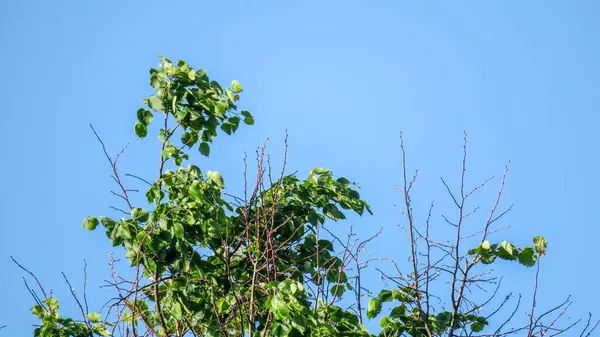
(32, 275)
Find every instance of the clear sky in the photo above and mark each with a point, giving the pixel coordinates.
(344, 78)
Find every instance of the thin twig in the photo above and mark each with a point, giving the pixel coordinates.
(32, 275)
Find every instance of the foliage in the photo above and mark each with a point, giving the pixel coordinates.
(54, 325)
(266, 264)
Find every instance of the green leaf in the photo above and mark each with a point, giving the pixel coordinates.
(272, 284)
(527, 257)
(230, 95)
(507, 251)
(178, 230)
(52, 303)
(127, 318)
(313, 217)
(343, 181)
(479, 324)
(373, 308)
(158, 79)
(236, 87)
(189, 138)
(332, 212)
(398, 312)
(90, 223)
(100, 330)
(326, 244)
(140, 130)
(94, 317)
(234, 122)
(227, 128)
(249, 121)
(108, 223)
(386, 296)
(215, 177)
(281, 330)
(487, 257)
(474, 251)
(221, 108)
(139, 214)
(321, 170)
(540, 245)
(155, 103)
(223, 305)
(195, 171)
(205, 148)
(444, 317)
(208, 135)
(337, 290)
(144, 116)
(155, 194)
(195, 191)
(38, 311)
(169, 151)
(176, 310)
(247, 114)
(191, 75)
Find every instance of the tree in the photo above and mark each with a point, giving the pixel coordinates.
(267, 263)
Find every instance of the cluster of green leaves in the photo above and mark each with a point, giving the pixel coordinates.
(527, 256)
(189, 215)
(53, 325)
(293, 317)
(214, 267)
(409, 318)
(197, 104)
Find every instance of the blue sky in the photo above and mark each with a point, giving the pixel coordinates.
(344, 78)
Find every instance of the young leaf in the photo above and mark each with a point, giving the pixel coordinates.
(373, 308)
(94, 317)
(230, 95)
(540, 245)
(38, 311)
(506, 251)
(236, 87)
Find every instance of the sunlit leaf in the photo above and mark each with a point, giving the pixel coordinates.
(373, 308)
